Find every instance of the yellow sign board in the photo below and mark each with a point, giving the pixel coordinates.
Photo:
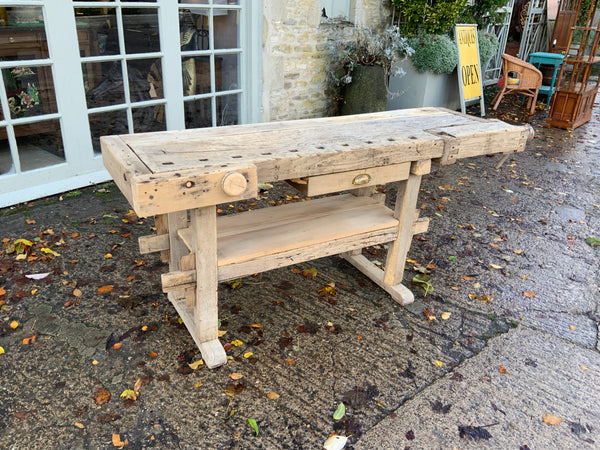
(468, 57)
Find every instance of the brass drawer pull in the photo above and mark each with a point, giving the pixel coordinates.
(363, 178)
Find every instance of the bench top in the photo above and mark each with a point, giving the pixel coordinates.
(173, 170)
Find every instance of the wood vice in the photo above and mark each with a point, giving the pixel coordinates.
(180, 176)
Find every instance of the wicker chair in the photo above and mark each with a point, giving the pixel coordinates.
(528, 81)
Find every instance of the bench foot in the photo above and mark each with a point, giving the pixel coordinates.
(213, 353)
(398, 292)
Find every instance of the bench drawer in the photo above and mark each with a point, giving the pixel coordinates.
(354, 179)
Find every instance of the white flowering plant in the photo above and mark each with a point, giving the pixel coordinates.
(367, 48)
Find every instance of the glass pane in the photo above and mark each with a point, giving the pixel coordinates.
(193, 29)
(196, 75)
(107, 123)
(30, 91)
(198, 113)
(23, 35)
(150, 118)
(39, 144)
(6, 163)
(226, 30)
(228, 110)
(105, 86)
(97, 31)
(145, 79)
(227, 72)
(140, 26)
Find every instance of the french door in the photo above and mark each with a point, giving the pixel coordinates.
(73, 71)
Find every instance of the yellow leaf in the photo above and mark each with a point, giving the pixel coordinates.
(222, 333)
(34, 291)
(236, 343)
(236, 376)
(552, 420)
(584, 368)
(129, 394)
(196, 364)
(476, 285)
(108, 256)
(517, 252)
(273, 395)
(1, 350)
(49, 251)
(256, 325)
(411, 261)
(572, 328)
(328, 291)
(79, 425)
(248, 354)
(445, 315)
(145, 328)
(437, 363)
(495, 266)
(197, 384)
(24, 242)
(14, 324)
(310, 273)
(95, 363)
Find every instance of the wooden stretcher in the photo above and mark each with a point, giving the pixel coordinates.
(180, 176)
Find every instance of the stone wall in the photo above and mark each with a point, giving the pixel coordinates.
(296, 42)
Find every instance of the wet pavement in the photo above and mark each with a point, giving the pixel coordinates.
(502, 354)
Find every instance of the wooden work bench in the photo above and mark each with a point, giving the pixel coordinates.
(180, 176)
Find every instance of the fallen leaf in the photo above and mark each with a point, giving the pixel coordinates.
(196, 364)
(1, 350)
(130, 278)
(437, 363)
(310, 273)
(273, 395)
(29, 340)
(152, 354)
(290, 361)
(49, 251)
(495, 266)
(30, 222)
(117, 345)
(328, 290)
(117, 442)
(236, 343)
(102, 396)
(222, 333)
(248, 354)
(138, 384)
(256, 325)
(501, 369)
(37, 276)
(446, 315)
(572, 327)
(236, 376)
(145, 328)
(129, 394)
(14, 324)
(77, 293)
(2, 291)
(105, 289)
(552, 420)
(79, 425)
(529, 294)
(335, 442)
(340, 412)
(108, 256)
(253, 425)
(429, 314)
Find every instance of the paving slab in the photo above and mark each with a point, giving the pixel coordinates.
(503, 398)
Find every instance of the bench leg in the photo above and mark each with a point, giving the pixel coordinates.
(206, 312)
(177, 248)
(406, 203)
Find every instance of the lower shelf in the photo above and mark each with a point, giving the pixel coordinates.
(268, 238)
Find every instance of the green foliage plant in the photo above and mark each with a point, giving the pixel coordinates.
(435, 53)
(482, 12)
(488, 46)
(428, 16)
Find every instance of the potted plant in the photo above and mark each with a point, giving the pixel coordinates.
(361, 67)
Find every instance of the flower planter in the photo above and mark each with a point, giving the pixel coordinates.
(366, 93)
(415, 89)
